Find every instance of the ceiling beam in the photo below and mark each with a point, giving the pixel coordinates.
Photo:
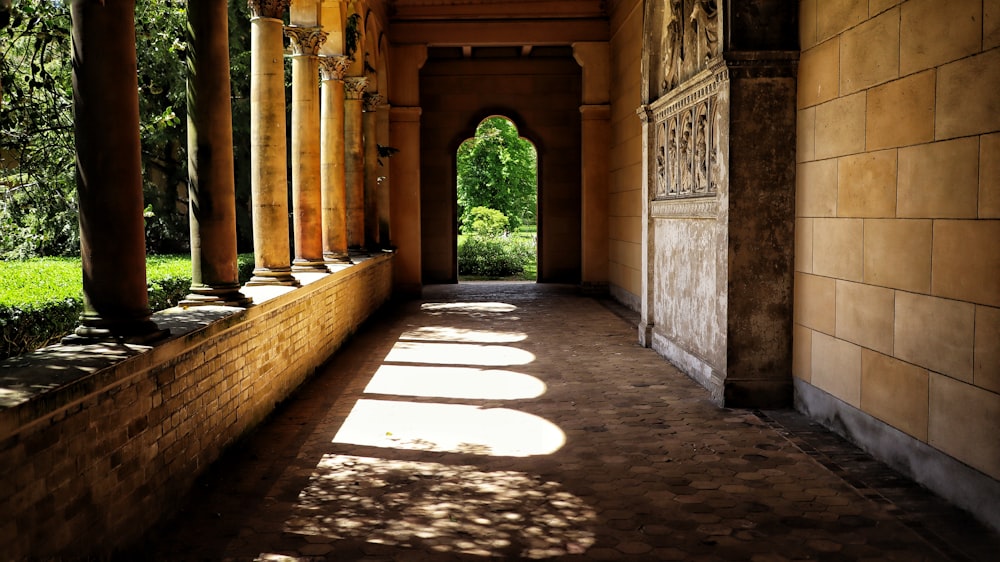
(499, 33)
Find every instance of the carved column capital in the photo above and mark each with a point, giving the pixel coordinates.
(268, 8)
(371, 101)
(644, 113)
(354, 87)
(305, 40)
(333, 67)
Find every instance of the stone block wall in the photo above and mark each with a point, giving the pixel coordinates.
(625, 185)
(897, 261)
(91, 464)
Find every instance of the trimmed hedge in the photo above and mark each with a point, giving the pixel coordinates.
(42, 298)
(494, 256)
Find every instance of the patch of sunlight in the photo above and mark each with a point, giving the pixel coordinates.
(458, 354)
(10, 397)
(442, 508)
(455, 428)
(472, 308)
(446, 333)
(454, 382)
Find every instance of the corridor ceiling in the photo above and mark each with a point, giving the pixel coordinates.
(524, 24)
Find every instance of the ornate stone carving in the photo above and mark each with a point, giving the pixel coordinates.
(305, 40)
(688, 34)
(354, 87)
(268, 8)
(333, 67)
(662, 182)
(689, 208)
(371, 101)
(689, 141)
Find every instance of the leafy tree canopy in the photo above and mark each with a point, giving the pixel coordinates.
(497, 170)
(38, 207)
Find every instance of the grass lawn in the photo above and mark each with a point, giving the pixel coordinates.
(42, 280)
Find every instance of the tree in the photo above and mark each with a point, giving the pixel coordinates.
(38, 213)
(497, 170)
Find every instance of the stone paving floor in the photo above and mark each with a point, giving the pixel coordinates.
(523, 421)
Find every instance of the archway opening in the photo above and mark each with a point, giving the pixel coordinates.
(497, 204)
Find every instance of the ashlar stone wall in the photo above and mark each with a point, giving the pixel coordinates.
(102, 442)
(625, 159)
(897, 244)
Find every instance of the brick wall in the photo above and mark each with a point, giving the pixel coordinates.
(88, 468)
(896, 250)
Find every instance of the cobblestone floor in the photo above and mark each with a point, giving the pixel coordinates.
(523, 421)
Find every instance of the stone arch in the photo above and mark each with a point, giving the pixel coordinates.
(542, 97)
(521, 134)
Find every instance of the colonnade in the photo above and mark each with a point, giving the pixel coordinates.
(335, 202)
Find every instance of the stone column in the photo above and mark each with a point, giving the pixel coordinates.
(268, 173)
(306, 169)
(333, 193)
(354, 161)
(211, 188)
(108, 175)
(370, 138)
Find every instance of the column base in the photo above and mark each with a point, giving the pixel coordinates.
(301, 265)
(333, 257)
(216, 296)
(275, 277)
(96, 330)
(645, 334)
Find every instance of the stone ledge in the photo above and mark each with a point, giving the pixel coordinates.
(36, 385)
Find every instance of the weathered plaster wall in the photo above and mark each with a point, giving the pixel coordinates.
(897, 285)
(542, 95)
(718, 148)
(625, 185)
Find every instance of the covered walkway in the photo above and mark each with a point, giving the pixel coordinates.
(524, 421)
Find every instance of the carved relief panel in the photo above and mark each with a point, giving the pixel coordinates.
(689, 132)
(688, 34)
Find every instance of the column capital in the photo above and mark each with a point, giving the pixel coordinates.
(333, 67)
(268, 8)
(371, 101)
(644, 113)
(597, 111)
(305, 40)
(354, 87)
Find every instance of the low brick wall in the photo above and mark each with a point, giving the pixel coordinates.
(98, 443)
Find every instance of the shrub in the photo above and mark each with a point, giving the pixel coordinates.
(483, 221)
(494, 256)
(41, 299)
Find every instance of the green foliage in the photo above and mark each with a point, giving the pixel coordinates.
(497, 169)
(37, 183)
(41, 299)
(38, 206)
(481, 221)
(160, 29)
(494, 256)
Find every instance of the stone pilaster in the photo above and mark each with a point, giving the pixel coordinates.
(646, 321)
(333, 180)
(384, 179)
(268, 172)
(354, 160)
(369, 122)
(106, 118)
(306, 169)
(211, 189)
